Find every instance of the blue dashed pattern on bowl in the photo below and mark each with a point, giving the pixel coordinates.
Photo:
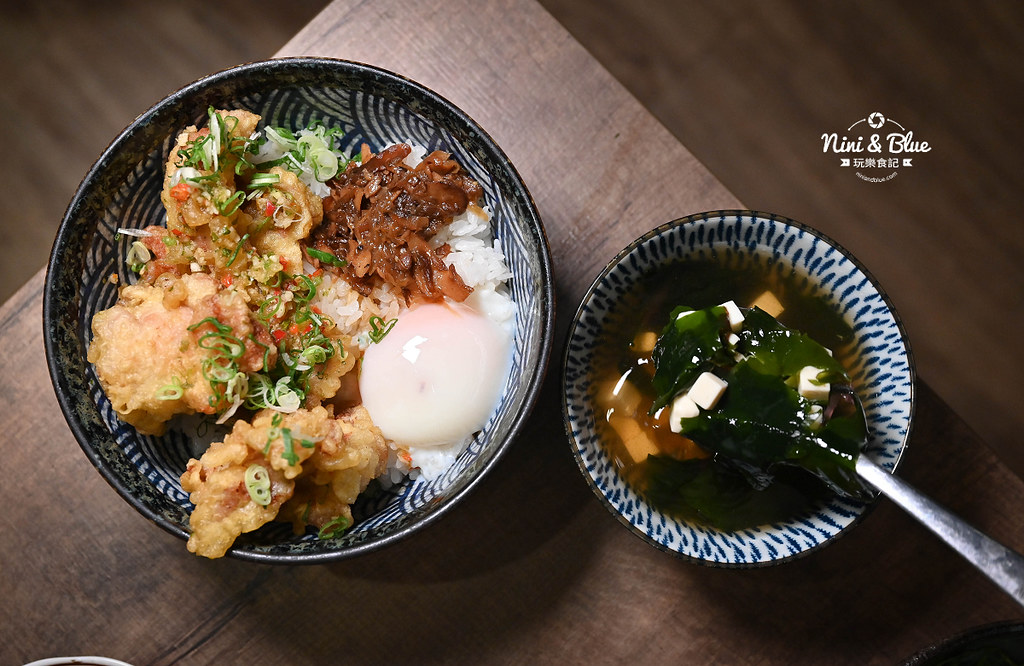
(879, 360)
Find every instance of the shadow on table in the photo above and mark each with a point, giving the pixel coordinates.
(887, 575)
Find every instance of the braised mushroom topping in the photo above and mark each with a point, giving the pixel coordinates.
(380, 218)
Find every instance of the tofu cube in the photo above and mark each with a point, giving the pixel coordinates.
(644, 342)
(707, 390)
(683, 407)
(769, 303)
(808, 386)
(638, 444)
(621, 395)
(732, 311)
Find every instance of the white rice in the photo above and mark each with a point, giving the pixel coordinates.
(480, 263)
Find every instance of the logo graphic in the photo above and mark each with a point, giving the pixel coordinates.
(877, 156)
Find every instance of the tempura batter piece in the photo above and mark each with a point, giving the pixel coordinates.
(340, 469)
(192, 207)
(150, 364)
(285, 440)
(326, 382)
(224, 508)
(333, 459)
(281, 216)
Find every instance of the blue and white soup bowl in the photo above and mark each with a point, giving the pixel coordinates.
(882, 374)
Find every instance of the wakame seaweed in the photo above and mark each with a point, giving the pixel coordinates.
(762, 427)
(764, 453)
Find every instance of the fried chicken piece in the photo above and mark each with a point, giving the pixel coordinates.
(193, 207)
(325, 383)
(148, 361)
(348, 450)
(282, 216)
(339, 470)
(224, 509)
(285, 440)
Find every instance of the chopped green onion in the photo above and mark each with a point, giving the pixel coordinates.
(187, 174)
(379, 328)
(228, 206)
(126, 231)
(325, 257)
(288, 399)
(213, 321)
(137, 257)
(308, 286)
(215, 373)
(260, 392)
(274, 432)
(264, 180)
(234, 255)
(281, 135)
(270, 308)
(227, 345)
(335, 527)
(257, 482)
(238, 387)
(313, 354)
(212, 151)
(289, 446)
(172, 391)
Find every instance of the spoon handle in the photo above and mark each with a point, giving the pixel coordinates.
(1003, 566)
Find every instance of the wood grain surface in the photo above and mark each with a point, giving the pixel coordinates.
(531, 568)
(748, 86)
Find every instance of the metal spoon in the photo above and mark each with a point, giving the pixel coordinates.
(1003, 566)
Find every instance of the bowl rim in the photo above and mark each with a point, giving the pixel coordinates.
(708, 216)
(946, 648)
(428, 99)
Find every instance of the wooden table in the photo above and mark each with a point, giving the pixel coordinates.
(531, 568)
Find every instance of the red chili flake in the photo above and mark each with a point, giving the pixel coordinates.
(270, 208)
(316, 308)
(227, 280)
(294, 329)
(181, 191)
(307, 329)
(284, 263)
(279, 335)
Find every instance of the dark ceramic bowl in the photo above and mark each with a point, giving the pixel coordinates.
(878, 360)
(1000, 643)
(123, 190)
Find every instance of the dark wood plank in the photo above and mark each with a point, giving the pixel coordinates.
(77, 73)
(531, 568)
(750, 86)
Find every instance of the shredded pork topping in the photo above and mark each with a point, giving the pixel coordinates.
(382, 214)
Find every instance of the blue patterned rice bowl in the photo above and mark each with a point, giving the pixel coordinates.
(123, 190)
(882, 373)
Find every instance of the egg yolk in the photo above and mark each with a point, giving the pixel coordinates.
(436, 376)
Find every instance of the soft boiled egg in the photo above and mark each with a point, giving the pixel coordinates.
(436, 376)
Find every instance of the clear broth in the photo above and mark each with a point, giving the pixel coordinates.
(661, 479)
